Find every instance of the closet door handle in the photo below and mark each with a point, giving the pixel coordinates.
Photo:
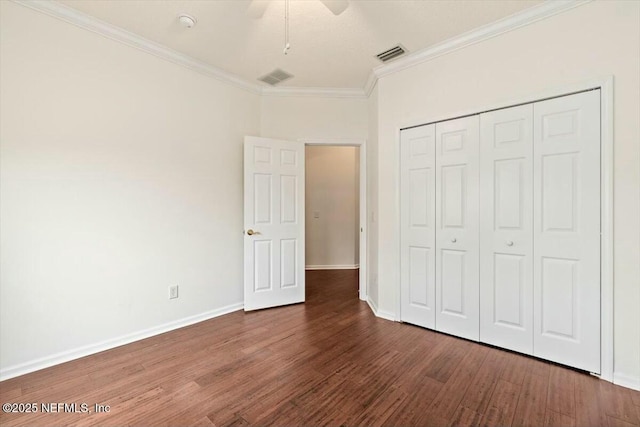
(453, 240)
(509, 243)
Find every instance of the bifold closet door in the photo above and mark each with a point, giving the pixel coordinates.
(506, 228)
(457, 264)
(417, 235)
(566, 235)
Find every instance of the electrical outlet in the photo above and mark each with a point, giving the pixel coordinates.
(173, 292)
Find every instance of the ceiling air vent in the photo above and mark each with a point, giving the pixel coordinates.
(275, 77)
(394, 52)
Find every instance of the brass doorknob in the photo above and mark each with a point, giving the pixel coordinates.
(250, 232)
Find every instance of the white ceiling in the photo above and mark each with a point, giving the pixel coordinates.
(327, 51)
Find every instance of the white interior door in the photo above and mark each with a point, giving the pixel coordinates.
(417, 236)
(567, 230)
(506, 228)
(273, 223)
(457, 263)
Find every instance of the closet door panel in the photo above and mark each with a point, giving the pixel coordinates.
(567, 230)
(506, 228)
(457, 227)
(417, 235)
(452, 274)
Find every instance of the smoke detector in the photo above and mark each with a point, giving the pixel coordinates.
(187, 21)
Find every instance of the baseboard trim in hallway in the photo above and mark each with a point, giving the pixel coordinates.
(333, 267)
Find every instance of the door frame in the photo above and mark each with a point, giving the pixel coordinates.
(360, 143)
(606, 85)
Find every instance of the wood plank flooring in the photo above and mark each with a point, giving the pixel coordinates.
(326, 362)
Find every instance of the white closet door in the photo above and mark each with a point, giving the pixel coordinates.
(506, 228)
(417, 235)
(567, 230)
(457, 305)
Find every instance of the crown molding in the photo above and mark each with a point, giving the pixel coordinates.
(348, 142)
(510, 23)
(372, 80)
(317, 92)
(544, 10)
(88, 22)
(82, 20)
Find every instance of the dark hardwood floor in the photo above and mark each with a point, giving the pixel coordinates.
(326, 362)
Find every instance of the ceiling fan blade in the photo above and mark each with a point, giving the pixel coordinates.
(256, 8)
(336, 6)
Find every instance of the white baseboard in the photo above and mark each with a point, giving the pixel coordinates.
(332, 267)
(379, 313)
(66, 356)
(625, 380)
(386, 315)
(372, 306)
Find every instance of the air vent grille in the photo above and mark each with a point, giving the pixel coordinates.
(392, 53)
(275, 77)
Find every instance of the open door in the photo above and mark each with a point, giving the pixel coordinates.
(273, 223)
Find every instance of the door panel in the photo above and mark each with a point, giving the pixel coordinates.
(452, 274)
(454, 198)
(419, 277)
(421, 189)
(567, 230)
(506, 226)
(559, 299)
(262, 265)
(274, 211)
(262, 194)
(417, 244)
(457, 263)
(288, 199)
(509, 292)
(558, 187)
(288, 262)
(508, 179)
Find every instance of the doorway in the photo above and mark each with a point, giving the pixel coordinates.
(332, 223)
(274, 250)
(358, 148)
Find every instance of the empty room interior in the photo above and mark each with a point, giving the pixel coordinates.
(320, 212)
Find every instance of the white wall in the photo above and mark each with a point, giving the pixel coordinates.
(332, 194)
(299, 117)
(121, 174)
(372, 199)
(599, 38)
